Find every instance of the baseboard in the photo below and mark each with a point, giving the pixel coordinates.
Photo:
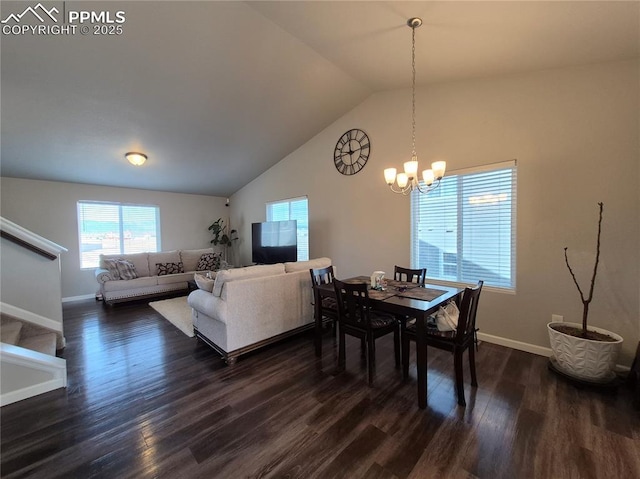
(530, 348)
(513, 344)
(70, 299)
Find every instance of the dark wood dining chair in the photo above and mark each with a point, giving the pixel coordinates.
(328, 307)
(456, 342)
(410, 275)
(356, 318)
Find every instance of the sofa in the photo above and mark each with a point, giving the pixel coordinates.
(243, 309)
(125, 277)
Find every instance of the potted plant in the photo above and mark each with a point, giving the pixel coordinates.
(579, 350)
(220, 236)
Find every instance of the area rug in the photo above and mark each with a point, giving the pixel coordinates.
(177, 312)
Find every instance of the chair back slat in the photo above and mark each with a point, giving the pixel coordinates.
(468, 310)
(321, 275)
(410, 275)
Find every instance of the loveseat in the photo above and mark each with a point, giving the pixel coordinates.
(246, 308)
(124, 277)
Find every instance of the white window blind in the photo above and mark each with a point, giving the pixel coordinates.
(293, 209)
(114, 228)
(465, 230)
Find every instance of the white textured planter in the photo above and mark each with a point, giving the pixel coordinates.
(584, 358)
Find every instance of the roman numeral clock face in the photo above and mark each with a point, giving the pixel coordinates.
(352, 152)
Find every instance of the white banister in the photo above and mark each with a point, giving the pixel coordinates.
(29, 317)
(30, 240)
(31, 293)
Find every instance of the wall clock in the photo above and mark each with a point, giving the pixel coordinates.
(352, 152)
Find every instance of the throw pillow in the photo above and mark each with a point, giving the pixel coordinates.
(112, 267)
(209, 262)
(203, 282)
(169, 268)
(126, 269)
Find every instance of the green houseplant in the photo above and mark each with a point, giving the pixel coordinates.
(581, 351)
(221, 237)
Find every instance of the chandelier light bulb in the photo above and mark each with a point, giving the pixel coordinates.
(390, 175)
(411, 168)
(403, 180)
(438, 168)
(427, 177)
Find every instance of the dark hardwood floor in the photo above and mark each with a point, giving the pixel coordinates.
(144, 400)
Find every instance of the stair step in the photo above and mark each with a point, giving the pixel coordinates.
(10, 332)
(43, 343)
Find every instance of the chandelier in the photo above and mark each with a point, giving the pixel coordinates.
(408, 181)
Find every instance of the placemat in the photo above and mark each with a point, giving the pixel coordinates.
(398, 285)
(391, 283)
(374, 293)
(423, 294)
(358, 279)
(381, 295)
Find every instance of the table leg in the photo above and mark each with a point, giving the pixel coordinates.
(421, 360)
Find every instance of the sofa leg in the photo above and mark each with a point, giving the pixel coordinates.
(231, 360)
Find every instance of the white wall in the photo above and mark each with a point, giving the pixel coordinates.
(18, 267)
(50, 210)
(575, 134)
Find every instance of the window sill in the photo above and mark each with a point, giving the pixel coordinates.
(493, 289)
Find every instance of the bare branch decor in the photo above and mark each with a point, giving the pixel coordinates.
(586, 301)
(582, 353)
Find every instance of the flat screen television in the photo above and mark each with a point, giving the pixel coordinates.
(274, 242)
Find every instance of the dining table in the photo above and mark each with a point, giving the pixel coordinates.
(403, 300)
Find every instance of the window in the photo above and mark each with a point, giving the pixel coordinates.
(293, 209)
(465, 230)
(114, 228)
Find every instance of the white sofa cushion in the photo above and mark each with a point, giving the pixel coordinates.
(175, 278)
(139, 260)
(190, 257)
(124, 285)
(162, 257)
(258, 271)
(307, 265)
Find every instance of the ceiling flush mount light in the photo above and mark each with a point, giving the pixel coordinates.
(135, 158)
(408, 181)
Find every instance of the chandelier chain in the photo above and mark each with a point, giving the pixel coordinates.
(413, 91)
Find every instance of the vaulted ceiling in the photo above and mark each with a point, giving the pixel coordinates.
(215, 93)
